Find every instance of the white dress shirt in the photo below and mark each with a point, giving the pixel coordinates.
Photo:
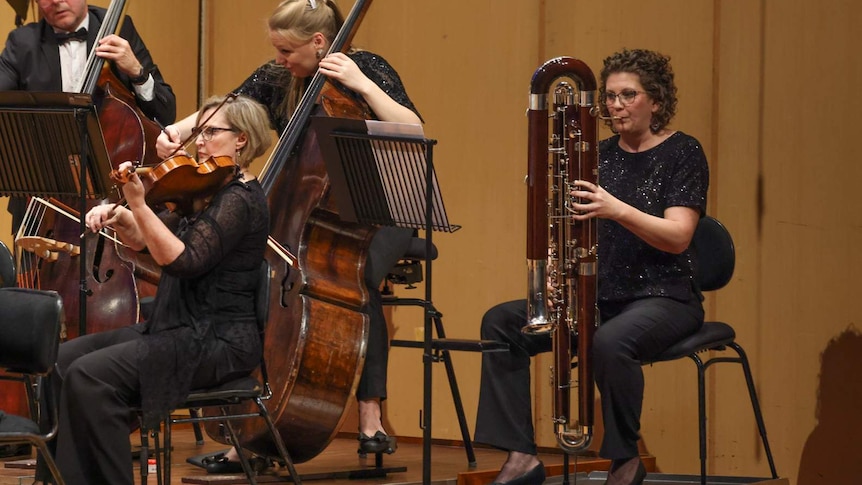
(73, 64)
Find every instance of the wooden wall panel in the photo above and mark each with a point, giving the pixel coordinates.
(810, 232)
(734, 200)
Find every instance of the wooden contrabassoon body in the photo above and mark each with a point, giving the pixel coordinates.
(561, 252)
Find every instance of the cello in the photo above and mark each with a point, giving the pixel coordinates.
(112, 278)
(317, 331)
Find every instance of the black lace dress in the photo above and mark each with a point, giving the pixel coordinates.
(202, 330)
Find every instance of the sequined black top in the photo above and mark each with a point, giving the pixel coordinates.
(203, 329)
(268, 83)
(674, 173)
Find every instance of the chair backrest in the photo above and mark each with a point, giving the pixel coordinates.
(7, 267)
(714, 252)
(30, 322)
(261, 296)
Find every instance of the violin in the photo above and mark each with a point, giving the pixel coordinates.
(180, 181)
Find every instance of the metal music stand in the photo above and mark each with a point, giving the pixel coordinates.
(51, 145)
(389, 179)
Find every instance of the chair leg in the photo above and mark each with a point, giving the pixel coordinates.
(196, 426)
(165, 476)
(279, 443)
(49, 461)
(701, 414)
(246, 465)
(144, 456)
(456, 394)
(755, 404)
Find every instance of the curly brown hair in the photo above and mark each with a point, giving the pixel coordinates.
(656, 77)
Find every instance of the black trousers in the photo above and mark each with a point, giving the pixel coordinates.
(630, 333)
(97, 379)
(387, 247)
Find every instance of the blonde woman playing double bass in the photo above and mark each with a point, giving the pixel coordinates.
(302, 32)
(653, 191)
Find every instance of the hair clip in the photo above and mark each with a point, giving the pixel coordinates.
(312, 4)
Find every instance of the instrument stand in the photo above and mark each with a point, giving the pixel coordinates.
(51, 145)
(383, 173)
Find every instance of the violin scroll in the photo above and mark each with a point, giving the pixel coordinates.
(122, 175)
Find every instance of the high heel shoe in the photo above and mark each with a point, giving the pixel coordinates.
(637, 479)
(535, 476)
(379, 443)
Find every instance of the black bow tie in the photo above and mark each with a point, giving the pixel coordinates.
(63, 37)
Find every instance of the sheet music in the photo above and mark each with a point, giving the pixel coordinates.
(379, 173)
(402, 170)
(388, 128)
(41, 137)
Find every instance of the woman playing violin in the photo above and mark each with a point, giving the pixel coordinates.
(301, 31)
(202, 330)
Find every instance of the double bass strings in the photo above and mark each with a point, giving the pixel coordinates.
(75, 218)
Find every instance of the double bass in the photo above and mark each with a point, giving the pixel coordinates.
(317, 332)
(112, 278)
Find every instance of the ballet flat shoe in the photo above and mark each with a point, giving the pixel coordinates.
(535, 476)
(379, 443)
(219, 464)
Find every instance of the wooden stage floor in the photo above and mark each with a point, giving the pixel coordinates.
(449, 465)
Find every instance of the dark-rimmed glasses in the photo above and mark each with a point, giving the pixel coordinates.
(208, 132)
(627, 97)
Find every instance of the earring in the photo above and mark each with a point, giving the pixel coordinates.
(654, 126)
(319, 54)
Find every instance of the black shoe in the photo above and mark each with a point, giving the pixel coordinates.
(536, 476)
(219, 464)
(379, 443)
(15, 450)
(639, 476)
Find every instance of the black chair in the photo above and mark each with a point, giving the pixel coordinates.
(222, 398)
(30, 329)
(7, 268)
(715, 256)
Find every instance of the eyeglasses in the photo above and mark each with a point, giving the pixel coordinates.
(626, 97)
(208, 132)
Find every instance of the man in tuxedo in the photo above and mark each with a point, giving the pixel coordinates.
(51, 55)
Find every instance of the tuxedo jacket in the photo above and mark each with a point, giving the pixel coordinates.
(31, 62)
